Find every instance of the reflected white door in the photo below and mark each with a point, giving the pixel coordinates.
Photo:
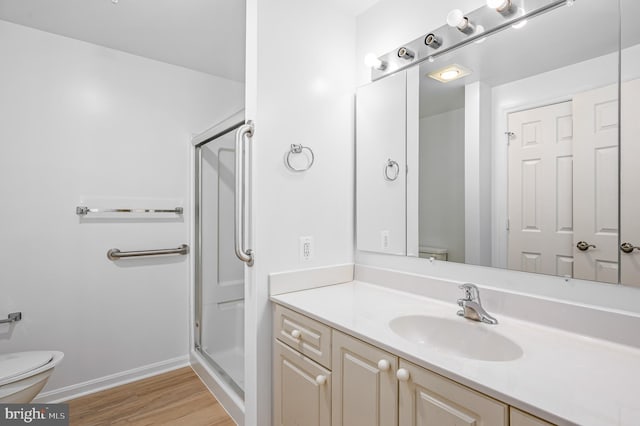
(540, 190)
(595, 183)
(630, 182)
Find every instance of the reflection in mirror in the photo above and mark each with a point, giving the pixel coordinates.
(542, 110)
(518, 148)
(630, 145)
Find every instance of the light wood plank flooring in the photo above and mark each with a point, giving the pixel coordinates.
(174, 398)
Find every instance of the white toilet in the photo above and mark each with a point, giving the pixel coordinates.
(24, 374)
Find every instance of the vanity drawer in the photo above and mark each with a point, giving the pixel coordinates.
(520, 418)
(303, 334)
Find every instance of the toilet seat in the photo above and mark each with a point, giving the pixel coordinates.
(19, 363)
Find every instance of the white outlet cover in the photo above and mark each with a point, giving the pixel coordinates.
(306, 248)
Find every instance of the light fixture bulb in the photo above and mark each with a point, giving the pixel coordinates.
(455, 18)
(372, 61)
(499, 5)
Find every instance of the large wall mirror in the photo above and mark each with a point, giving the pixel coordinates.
(519, 150)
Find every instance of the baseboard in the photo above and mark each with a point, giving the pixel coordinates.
(232, 404)
(113, 380)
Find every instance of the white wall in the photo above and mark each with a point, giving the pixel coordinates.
(300, 89)
(442, 212)
(81, 121)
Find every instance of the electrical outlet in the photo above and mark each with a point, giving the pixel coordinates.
(384, 239)
(306, 248)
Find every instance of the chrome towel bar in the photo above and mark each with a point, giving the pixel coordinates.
(84, 210)
(115, 254)
(12, 317)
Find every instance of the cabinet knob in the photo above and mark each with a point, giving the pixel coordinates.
(296, 334)
(321, 379)
(383, 365)
(403, 374)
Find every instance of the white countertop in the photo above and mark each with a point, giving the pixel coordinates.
(563, 377)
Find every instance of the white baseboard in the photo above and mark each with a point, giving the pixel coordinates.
(102, 383)
(232, 404)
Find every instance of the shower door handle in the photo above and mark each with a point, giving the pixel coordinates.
(242, 162)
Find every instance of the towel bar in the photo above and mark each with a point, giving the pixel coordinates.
(115, 254)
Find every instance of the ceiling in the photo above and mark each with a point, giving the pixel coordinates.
(203, 35)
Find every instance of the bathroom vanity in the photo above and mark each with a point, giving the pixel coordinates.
(364, 354)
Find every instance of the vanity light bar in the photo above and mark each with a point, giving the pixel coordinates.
(448, 38)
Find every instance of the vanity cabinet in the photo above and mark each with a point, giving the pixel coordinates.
(302, 389)
(324, 377)
(520, 418)
(428, 399)
(365, 388)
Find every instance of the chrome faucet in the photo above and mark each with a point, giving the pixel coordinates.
(471, 305)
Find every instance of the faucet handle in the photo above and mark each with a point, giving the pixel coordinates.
(471, 292)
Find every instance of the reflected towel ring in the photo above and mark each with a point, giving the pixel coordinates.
(390, 164)
(298, 149)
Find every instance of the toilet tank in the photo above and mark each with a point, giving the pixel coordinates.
(435, 252)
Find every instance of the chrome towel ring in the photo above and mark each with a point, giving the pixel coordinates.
(298, 149)
(395, 170)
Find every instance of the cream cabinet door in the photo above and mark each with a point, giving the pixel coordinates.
(365, 388)
(519, 418)
(428, 399)
(302, 389)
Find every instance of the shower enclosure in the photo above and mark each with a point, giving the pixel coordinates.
(219, 274)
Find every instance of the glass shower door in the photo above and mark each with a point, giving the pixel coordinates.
(219, 273)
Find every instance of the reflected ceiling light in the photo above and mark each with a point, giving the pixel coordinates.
(502, 6)
(456, 19)
(449, 73)
(372, 61)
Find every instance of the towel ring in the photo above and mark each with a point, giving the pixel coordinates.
(393, 165)
(298, 149)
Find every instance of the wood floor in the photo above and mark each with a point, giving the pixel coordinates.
(175, 398)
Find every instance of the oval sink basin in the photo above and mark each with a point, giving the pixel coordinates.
(458, 336)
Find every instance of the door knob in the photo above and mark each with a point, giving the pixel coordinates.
(383, 365)
(584, 246)
(296, 334)
(628, 248)
(403, 374)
